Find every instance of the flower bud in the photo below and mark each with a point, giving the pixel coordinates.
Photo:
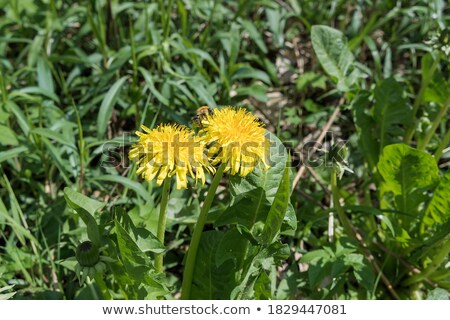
(87, 254)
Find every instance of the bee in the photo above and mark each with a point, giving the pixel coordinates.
(201, 115)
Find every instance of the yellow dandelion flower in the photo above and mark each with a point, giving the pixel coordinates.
(237, 138)
(170, 150)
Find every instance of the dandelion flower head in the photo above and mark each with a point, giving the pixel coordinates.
(170, 150)
(235, 137)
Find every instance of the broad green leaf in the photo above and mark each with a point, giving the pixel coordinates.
(85, 207)
(391, 112)
(263, 259)
(253, 195)
(106, 108)
(405, 170)
(231, 247)
(211, 281)
(278, 209)
(132, 256)
(330, 46)
(438, 210)
(139, 270)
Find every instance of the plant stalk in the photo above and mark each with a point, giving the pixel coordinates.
(103, 288)
(419, 98)
(162, 223)
(441, 114)
(193, 247)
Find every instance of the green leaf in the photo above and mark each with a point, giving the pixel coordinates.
(133, 185)
(11, 153)
(255, 34)
(253, 195)
(312, 79)
(231, 247)
(278, 210)
(211, 281)
(8, 137)
(330, 46)
(263, 259)
(405, 170)
(438, 90)
(391, 112)
(438, 294)
(85, 207)
(247, 72)
(139, 271)
(21, 119)
(48, 133)
(149, 79)
(44, 75)
(366, 128)
(204, 96)
(438, 210)
(132, 256)
(106, 108)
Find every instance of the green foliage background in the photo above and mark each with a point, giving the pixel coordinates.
(77, 78)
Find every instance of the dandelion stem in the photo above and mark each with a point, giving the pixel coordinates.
(162, 223)
(193, 247)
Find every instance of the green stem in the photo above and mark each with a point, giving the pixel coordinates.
(419, 98)
(193, 247)
(103, 288)
(341, 214)
(435, 263)
(444, 143)
(162, 223)
(436, 122)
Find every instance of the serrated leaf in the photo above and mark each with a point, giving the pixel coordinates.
(211, 281)
(391, 112)
(405, 170)
(106, 108)
(438, 210)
